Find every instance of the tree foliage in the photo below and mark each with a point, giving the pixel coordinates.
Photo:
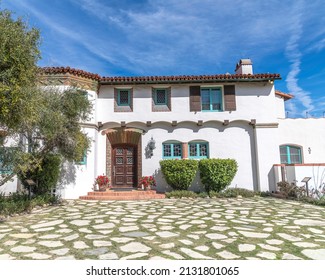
(41, 122)
(19, 53)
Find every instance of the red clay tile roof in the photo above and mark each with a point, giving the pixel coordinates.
(161, 79)
(68, 70)
(285, 96)
(189, 78)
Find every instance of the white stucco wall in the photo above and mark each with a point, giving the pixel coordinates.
(280, 108)
(253, 100)
(267, 154)
(78, 179)
(308, 133)
(233, 141)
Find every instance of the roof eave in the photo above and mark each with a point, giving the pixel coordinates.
(150, 82)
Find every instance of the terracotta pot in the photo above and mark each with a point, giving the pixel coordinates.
(102, 188)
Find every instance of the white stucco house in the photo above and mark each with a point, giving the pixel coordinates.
(239, 116)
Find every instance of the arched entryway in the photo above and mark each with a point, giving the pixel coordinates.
(123, 156)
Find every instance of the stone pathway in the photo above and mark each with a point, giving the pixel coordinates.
(254, 228)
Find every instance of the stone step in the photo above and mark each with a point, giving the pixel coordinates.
(123, 195)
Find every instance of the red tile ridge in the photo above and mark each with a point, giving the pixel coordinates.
(191, 77)
(286, 96)
(69, 70)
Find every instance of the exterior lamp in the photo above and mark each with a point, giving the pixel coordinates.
(152, 145)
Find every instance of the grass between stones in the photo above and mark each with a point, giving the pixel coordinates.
(263, 228)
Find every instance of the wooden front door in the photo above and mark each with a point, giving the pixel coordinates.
(124, 166)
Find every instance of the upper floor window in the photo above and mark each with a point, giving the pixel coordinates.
(123, 100)
(172, 150)
(160, 96)
(290, 154)
(161, 99)
(211, 99)
(198, 150)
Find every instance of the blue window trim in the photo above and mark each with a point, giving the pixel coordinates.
(84, 159)
(288, 154)
(198, 150)
(8, 169)
(220, 99)
(172, 151)
(119, 97)
(156, 99)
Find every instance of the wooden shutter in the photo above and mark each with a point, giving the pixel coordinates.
(230, 98)
(195, 98)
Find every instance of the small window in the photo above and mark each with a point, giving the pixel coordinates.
(6, 157)
(198, 150)
(123, 97)
(290, 154)
(83, 160)
(160, 97)
(211, 99)
(172, 150)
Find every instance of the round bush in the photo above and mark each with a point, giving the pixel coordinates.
(179, 174)
(217, 174)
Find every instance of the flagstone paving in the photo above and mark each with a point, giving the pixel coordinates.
(252, 228)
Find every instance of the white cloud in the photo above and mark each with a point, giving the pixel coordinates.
(302, 97)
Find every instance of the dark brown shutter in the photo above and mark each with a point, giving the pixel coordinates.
(230, 98)
(195, 98)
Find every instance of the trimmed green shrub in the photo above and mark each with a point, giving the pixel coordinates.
(181, 194)
(217, 174)
(45, 177)
(179, 174)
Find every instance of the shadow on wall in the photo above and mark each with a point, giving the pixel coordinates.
(271, 180)
(161, 185)
(67, 176)
(197, 185)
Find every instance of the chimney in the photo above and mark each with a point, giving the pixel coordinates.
(244, 66)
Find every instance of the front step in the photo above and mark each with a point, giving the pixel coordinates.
(123, 195)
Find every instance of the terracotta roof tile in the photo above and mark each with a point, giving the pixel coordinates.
(285, 96)
(68, 70)
(189, 78)
(160, 79)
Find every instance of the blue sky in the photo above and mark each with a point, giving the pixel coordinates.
(176, 37)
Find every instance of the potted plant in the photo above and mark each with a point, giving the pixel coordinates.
(101, 183)
(146, 182)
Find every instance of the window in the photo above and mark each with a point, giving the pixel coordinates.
(161, 99)
(160, 96)
(172, 150)
(6, 156)
(290, 154)
(211, 99)
(123, 97)
(83, 160)
(123, 100)
(198, 150)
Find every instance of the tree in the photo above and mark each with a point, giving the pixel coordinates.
(44, 122)
(19, 53)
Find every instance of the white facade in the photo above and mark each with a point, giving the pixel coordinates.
(251, 132)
